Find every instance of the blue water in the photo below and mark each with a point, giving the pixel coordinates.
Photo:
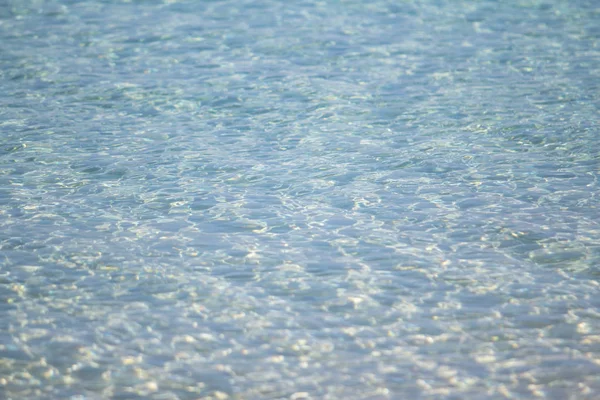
(299, 199)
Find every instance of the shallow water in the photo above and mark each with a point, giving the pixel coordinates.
(305, 199)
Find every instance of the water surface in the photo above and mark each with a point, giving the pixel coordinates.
(304, 199)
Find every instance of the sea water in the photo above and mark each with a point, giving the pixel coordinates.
(264, 199)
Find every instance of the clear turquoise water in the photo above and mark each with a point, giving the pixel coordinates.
(304, 199)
